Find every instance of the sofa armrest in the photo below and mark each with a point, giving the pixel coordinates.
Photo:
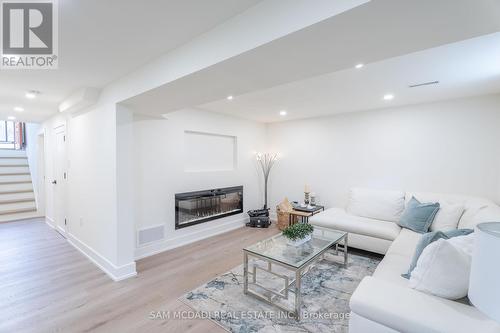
(407, 310)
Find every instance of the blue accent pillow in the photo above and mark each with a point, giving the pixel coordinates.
(428, 238)
(418, 216)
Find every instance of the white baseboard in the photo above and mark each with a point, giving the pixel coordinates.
(61, 230)
(117, 273)
(50, 222)
(172, 243)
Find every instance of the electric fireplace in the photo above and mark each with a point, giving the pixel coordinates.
(202, 206)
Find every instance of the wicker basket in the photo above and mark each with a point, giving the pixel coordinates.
(284, 218)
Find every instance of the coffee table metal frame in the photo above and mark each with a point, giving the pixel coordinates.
(290, 285)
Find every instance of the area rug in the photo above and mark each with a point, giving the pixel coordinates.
(326, 290)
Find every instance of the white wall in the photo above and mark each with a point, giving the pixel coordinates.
(498, 187)
(159, 164)
(91, 199)
(32, 154)
(92, 180)
(442, 147)
(125, 173)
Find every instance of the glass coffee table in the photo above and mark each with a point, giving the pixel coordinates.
(297, 259)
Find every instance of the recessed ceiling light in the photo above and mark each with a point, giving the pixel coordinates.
(388, 97)
(283, 113)
(230, 97)
(31, 94)
(11, 118)
(19, 109)
(358, 66)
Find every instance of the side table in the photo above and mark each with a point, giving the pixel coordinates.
(304, 213)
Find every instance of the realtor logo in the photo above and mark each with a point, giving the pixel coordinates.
(29, 34)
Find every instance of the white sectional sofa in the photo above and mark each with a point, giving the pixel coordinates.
(384, 302)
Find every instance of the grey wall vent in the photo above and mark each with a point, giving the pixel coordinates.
(149, 235)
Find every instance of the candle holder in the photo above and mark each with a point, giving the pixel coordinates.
(306, 198)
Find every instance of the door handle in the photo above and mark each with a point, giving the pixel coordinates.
(54, 182)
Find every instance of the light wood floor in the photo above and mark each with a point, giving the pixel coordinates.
(48, 286)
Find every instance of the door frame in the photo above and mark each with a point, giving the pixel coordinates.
(41, 194)
(59, 189)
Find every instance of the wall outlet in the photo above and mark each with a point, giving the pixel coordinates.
(81, 221)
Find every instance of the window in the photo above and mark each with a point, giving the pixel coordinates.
(7, 131)
(10, 131)
(8, 135)
(3, 131)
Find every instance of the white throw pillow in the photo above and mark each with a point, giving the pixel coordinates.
(443, 268)
(376, 204)
(447, 217)
(463, 243)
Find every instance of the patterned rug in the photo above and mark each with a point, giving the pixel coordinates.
(326, 290)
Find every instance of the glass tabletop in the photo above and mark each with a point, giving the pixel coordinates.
(277, 247)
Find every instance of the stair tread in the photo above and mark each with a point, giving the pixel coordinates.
(11, 201)
(15, 211)
(16, 191)
(19, 216)
(17, 199)
(15, 174)
(8, 208)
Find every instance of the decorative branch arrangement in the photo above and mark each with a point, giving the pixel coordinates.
(266, 162)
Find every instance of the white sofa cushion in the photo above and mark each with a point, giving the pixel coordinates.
(339, 219)
(446, 197)
(447, 217)
(443, 268)
(376, 204)
(398, 258)
(479, 212)
(405, 243)
(368, 243)
(477, 209)
(391, 267)
(408, 310)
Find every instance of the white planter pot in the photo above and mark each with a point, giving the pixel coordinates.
(298, 242)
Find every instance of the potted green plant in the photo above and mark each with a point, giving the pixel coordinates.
(299, 233)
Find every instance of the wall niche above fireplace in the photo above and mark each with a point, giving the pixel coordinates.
(202, 206)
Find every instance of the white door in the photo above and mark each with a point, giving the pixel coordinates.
(59, 181)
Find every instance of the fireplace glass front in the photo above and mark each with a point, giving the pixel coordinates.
(202, 206)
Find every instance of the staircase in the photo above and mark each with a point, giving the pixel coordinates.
(17, 199)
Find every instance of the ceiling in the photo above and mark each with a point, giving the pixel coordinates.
(465, 68)
(101, 41)
(310, 72)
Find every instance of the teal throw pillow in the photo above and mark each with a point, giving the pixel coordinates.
(418, 216)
